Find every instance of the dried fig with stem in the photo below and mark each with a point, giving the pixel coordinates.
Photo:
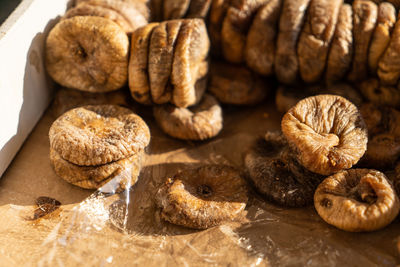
(327, 132)
(276, 173)
(95, 135)
(357, 200)
(88, 53)
(341, 50)
(316, 37)
(198, 122)
(237, 85)
(381, 37)
(290, 25)
(260, 43)
(365, 14)
(380, 94)
(203, 197)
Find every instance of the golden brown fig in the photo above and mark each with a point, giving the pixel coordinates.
(139, 83)
(94, 135)
(126, 171)
(380, 94)
(341, 51)
(88, 53)
(276, 173)
(198, 8)
(365, 13)
(381, 37)
(200, 122)
(357, 200)
(316, 37)
(203, 197)
(290, 24)
(175, 9)
(237, 85)
(260, 43)
(395, 3)
(327, 132)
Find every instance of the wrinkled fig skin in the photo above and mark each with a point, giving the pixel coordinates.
(395, 3)
(203, 197)
(237, 85)
(381, 119)
(88, 53)
(380, 94)
(290, 24)
(357, 200)
(95, 135)
(341, 51)
(199, 122)
(277, 175)
(381, 37)
(365, 14)
(327, 132)
(389, 64)
(235, 27)
(316, 37)
(260, 43)
(139, 83)
(175, 9)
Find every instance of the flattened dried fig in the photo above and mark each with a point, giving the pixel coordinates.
(365, 14)
(139, 83)
(341, 51)
(88, 53)
(175, 9)
(277, 175)
(316, 37)
(198, 8)
(203, 197)
(389, 63)
(92, 177)
(327, 132)
(291, 21)
(235, 27)
(260, 44)
(357, 200)
(237, 85)
(94, 135)
(198, 122)
(380, 94)
(381, 37)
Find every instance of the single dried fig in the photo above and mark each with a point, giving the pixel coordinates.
(381, 37)
(237, 85)
(316, 37)
(365, 14)
(94, 135)
(198, 122)
(203, 197)
(276, 173)
(357, 200)
(260, 43)
(341, 51)
(327, 132)
(88, 53)
(290, 24)
(380, 94)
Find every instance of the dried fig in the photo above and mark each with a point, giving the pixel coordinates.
(291, 22)
(237, 85)
(381, 119)
(198, 122)
(139, 83)
(94, 135)
(380, 94)
(327, 132)
(381, 37)
(365, 14)
(383, 150)
(276, 173)
(198, 8)
(395, 3)
(357, 200)
(203, 197)
(92, 177)
(175, 9)
(341, 51)
(316, 37)
(260, 43)
(88, 53)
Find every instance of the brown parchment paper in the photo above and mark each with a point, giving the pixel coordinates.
(100, 228)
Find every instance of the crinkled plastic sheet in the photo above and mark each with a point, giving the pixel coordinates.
(124, 228)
